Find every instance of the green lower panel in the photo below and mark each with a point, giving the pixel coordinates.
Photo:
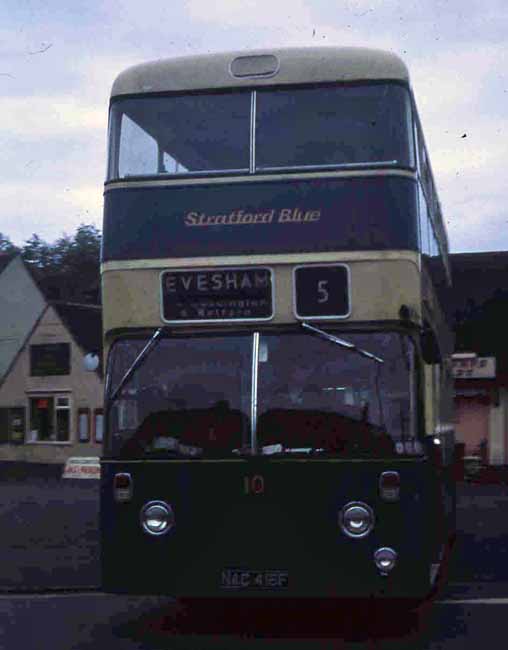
(283, 542)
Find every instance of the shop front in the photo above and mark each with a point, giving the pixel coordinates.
(481, 409)
(50, 406)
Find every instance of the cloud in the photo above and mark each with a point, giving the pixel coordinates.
(266, 24)
(43, 116)
(48, 210)
(98, 73)
(56, 160)
(474, 205)
(479, 224)
(54, 103)
(463, 113)
(250, 13)
(451, 81)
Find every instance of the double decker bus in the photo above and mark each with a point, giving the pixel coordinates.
(278, 401)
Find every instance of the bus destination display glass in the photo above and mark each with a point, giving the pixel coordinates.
(216, 295)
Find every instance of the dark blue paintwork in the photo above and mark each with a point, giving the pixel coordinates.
(355, 213)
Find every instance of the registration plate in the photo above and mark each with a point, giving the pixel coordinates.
(248, 579)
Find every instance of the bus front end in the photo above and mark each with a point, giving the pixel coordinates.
(277, 384)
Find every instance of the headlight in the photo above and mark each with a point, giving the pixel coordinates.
(356, 519)
(157, 518)
(385, 559)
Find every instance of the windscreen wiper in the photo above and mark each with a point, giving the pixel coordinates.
(343, 344)
(152, 343)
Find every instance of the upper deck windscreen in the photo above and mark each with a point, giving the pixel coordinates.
(350, 125)
(241, 132)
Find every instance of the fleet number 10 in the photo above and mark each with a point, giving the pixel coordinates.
(253, 485)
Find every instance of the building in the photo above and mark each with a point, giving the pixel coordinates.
(479, 308)
(21, 305)
(50, 406)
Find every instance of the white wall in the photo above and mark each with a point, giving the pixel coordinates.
(84, 388)
(21, 304)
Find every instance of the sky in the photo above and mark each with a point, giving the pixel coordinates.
(58, 60)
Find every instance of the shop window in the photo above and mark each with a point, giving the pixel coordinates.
(49, 419)
(84, 425)
(99, 425)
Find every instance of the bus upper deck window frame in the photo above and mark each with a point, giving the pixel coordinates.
(409, 163)
(252, 134)
(121, 106)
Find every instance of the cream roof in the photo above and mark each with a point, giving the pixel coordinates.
(296, 65)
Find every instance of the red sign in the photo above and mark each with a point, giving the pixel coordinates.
(473, 367)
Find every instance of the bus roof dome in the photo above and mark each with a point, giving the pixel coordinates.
(260, 67)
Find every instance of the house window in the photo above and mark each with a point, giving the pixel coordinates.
(12, 425)
(99, 425)
(84, 425)
(50, 359)
(49, 419)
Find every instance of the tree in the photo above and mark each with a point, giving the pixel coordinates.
(68, 269)
(6, 246)
(37, 252)
(79, 257)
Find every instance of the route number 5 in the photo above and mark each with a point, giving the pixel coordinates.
(323, 291)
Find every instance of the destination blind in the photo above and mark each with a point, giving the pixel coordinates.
(239, 294)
